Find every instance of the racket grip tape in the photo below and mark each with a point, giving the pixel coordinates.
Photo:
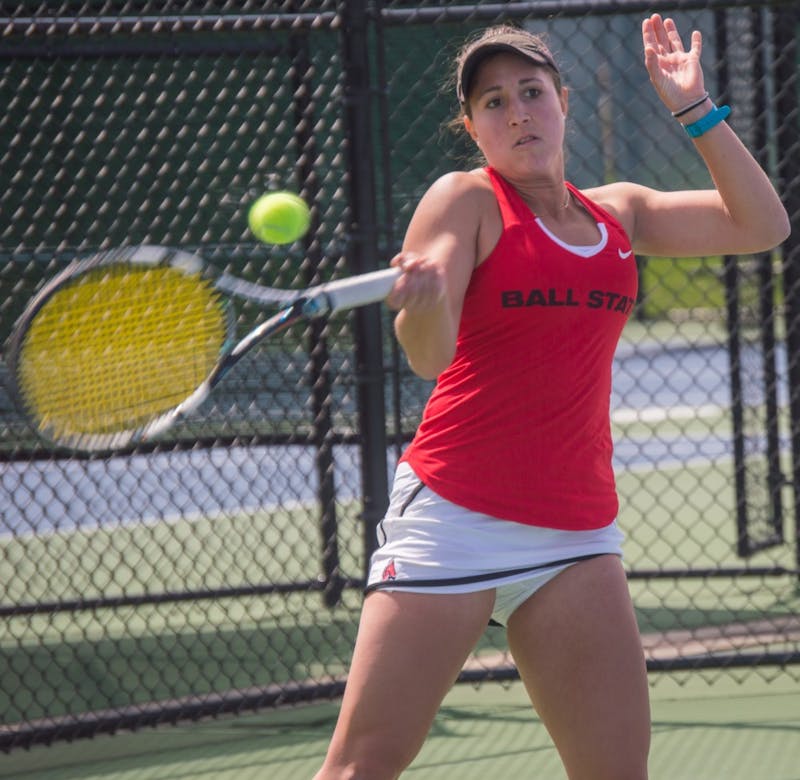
(357, 290)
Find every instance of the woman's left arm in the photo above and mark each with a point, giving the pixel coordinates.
(743, 214)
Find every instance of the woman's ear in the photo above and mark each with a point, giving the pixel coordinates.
(470, 128)
(564, 100)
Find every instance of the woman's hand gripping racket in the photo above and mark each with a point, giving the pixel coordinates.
(115, 348)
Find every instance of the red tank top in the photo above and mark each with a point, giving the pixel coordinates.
(518, 425)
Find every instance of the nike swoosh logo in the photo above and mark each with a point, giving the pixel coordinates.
(624, 255)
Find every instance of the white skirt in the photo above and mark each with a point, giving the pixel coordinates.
(430, 545)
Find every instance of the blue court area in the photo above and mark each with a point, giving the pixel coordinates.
(681, 384)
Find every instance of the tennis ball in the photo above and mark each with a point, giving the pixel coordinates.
(279, 218)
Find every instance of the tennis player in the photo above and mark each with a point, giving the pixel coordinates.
(515, 290)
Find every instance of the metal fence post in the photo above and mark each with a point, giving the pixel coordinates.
(787, 63)
(363, 256)
(319, 356)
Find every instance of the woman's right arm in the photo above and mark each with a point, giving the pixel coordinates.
(438, 257)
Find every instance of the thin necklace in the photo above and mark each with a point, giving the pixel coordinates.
(562, 206)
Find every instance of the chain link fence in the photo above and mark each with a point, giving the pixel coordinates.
(221, 568)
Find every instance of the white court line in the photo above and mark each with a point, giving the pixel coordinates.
(656, 414)
(673, 464)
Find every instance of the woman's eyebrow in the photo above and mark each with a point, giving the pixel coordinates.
(521, 83)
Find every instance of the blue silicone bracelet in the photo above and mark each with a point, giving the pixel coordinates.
(711, 119)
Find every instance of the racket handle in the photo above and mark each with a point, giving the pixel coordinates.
(354, 291)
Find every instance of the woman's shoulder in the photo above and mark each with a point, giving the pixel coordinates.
(612, 197)
(617, 199)
(463, 187)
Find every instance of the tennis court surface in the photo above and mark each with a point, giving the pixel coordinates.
(724, 731)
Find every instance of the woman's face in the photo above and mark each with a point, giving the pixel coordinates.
(517, 116)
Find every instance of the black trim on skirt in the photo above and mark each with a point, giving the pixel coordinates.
(493, 575)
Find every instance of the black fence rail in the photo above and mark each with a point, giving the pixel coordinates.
(220, 568)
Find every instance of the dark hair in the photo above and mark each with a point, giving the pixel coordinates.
(499, 38)
(487, 39)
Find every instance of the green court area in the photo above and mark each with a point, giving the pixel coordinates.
(58, 662)
(698, 284)
(724, 731)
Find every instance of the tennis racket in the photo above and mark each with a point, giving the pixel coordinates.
(117, 347)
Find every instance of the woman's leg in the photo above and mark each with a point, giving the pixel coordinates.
(576, 645)
(409, 651)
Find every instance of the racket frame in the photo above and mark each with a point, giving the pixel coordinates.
(321, 300)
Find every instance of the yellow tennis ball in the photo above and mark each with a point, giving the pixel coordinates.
(279, 218)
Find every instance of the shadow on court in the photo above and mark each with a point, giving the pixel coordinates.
(710, 728)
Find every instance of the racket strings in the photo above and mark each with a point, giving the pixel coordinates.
(119, 346)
